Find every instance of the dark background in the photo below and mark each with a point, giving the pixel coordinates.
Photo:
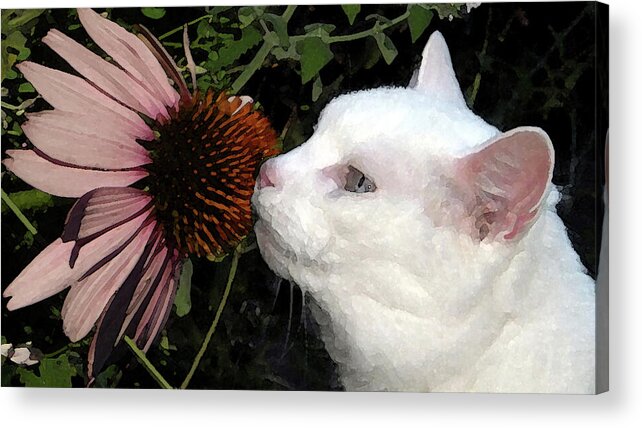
(535, 64)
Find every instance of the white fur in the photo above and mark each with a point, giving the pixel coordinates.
(408, 299)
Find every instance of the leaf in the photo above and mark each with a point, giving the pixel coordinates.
(153, 12)
(418, 20)
(54, 373)
(13, 50)
(351, 11)
(183, 300)
(446, 10)
(317, 88)
(26, 87)
(246, 15)
(279, 26)
(387, 48)
(33, 199)
(315, 54)
(233, 49)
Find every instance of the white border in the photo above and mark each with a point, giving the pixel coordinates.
(620, 407)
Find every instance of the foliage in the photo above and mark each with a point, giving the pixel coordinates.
(517, 64)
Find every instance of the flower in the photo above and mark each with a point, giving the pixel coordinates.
(160, 174)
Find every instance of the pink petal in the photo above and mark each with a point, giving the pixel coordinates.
(42, 278)
(74, 94)
(87, 299)
(151, 279)
(63, 180)
(101, 210)
(130, 53)
(89, 141)
(111, 79)
(49, 273)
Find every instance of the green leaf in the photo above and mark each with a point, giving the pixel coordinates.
(279, 26)
(445, 10)
(153, 12)
(418, 20)
(233, 49)
(351, 11)
(54, 373)
(317, 88)
(13, 50)
(246, 15)
(33, 199)
(315, 54)
(387, 48)
(26, 87)
(183, 301)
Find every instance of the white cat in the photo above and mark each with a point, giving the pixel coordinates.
(430, 241)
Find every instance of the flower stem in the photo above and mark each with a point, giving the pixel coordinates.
(260, 56)
(13, 207)
(140, 356)
(177, 29)
(217, 317)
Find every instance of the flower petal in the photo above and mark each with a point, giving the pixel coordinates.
(89, 141)
(131, 54)
(62, 180)
(111, 79)
(101, 210)
(74, 94)
(42, 278)
(49, 273)
(87, 299)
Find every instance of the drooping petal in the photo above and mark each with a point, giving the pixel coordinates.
(130, 53)
(88, 298)
(50, 273)
(111, 320)
(62, 180)
(111, 79)
(42, 278)
(84, 140)
(74, 94)
(103, 209)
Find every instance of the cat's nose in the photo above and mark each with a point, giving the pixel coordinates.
(267, 175)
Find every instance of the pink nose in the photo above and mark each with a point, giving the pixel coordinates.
(267, 175)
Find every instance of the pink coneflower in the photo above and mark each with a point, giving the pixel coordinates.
(193, 159)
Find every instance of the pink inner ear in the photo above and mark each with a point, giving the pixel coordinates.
(508, 179)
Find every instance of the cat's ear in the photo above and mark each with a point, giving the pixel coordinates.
(436, 75)
(507, 180)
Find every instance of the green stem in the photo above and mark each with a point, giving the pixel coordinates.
(140, 356)
(260, 56)
(13, 207)
(177, 29)
(217, 317)
(366, 33)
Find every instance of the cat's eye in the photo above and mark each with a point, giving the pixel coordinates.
(357, 182)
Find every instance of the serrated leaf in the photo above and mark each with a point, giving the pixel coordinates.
(351, 11)
(53, 373)
(317, 88)
(233, 49)
(418, 20)
(153, 12)
(387, 48)
(315, 54)
(183, 300)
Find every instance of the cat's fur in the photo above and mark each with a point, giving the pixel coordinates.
(455, 274)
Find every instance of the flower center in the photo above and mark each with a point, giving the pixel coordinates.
(202, 175)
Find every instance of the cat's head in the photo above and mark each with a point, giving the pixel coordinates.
(399, 175)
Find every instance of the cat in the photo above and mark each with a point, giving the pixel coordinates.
(430, 244)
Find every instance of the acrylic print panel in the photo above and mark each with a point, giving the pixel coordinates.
(356, 197)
